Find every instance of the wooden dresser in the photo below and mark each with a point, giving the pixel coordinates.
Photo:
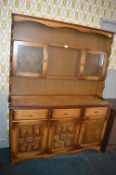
(57, 76)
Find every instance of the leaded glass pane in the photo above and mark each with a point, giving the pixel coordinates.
(93, 64)
(30, 59)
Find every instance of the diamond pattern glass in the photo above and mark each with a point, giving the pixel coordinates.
(30, 59)
(93, 64)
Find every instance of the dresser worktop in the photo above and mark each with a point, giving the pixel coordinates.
(54, 101)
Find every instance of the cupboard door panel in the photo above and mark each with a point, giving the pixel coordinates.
(91, 132)
(29, 138)
(63, 135)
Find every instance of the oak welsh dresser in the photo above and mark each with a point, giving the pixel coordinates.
(57, 75)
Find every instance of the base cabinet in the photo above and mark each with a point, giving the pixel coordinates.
(47, 132)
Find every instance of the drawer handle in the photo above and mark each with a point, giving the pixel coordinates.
(30, 115)
(81, 145)
(65, 113)
(96, 112)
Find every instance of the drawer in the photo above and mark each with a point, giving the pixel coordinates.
(30, 114)
(61, 113)
(96, 111)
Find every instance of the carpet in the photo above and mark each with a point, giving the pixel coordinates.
(83, 163)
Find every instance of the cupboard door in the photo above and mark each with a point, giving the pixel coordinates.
(29, 58)
(63, 135)
(29, 138)
(91, 133)
(93, 65)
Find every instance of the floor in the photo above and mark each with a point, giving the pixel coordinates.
(84, 163)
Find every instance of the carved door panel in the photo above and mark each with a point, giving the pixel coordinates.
(63, 135)
(29, 138)
(91, 133)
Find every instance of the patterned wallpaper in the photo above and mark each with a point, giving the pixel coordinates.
(84, 12)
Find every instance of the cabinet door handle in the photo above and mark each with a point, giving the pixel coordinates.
(81, 145)
(30, 115)
(65, 113)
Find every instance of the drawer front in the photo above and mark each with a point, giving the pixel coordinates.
(30, 114)
(61, 113)
(97, 111)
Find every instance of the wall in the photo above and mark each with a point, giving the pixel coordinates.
(84, 12)
(110, 85)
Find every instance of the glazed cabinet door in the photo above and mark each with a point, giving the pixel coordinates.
(91, 133)
(63, 135)
(29, 59)
(93, 65)
(28, 138)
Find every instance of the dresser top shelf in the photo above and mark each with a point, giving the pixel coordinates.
(56, 101)
(57, 24)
